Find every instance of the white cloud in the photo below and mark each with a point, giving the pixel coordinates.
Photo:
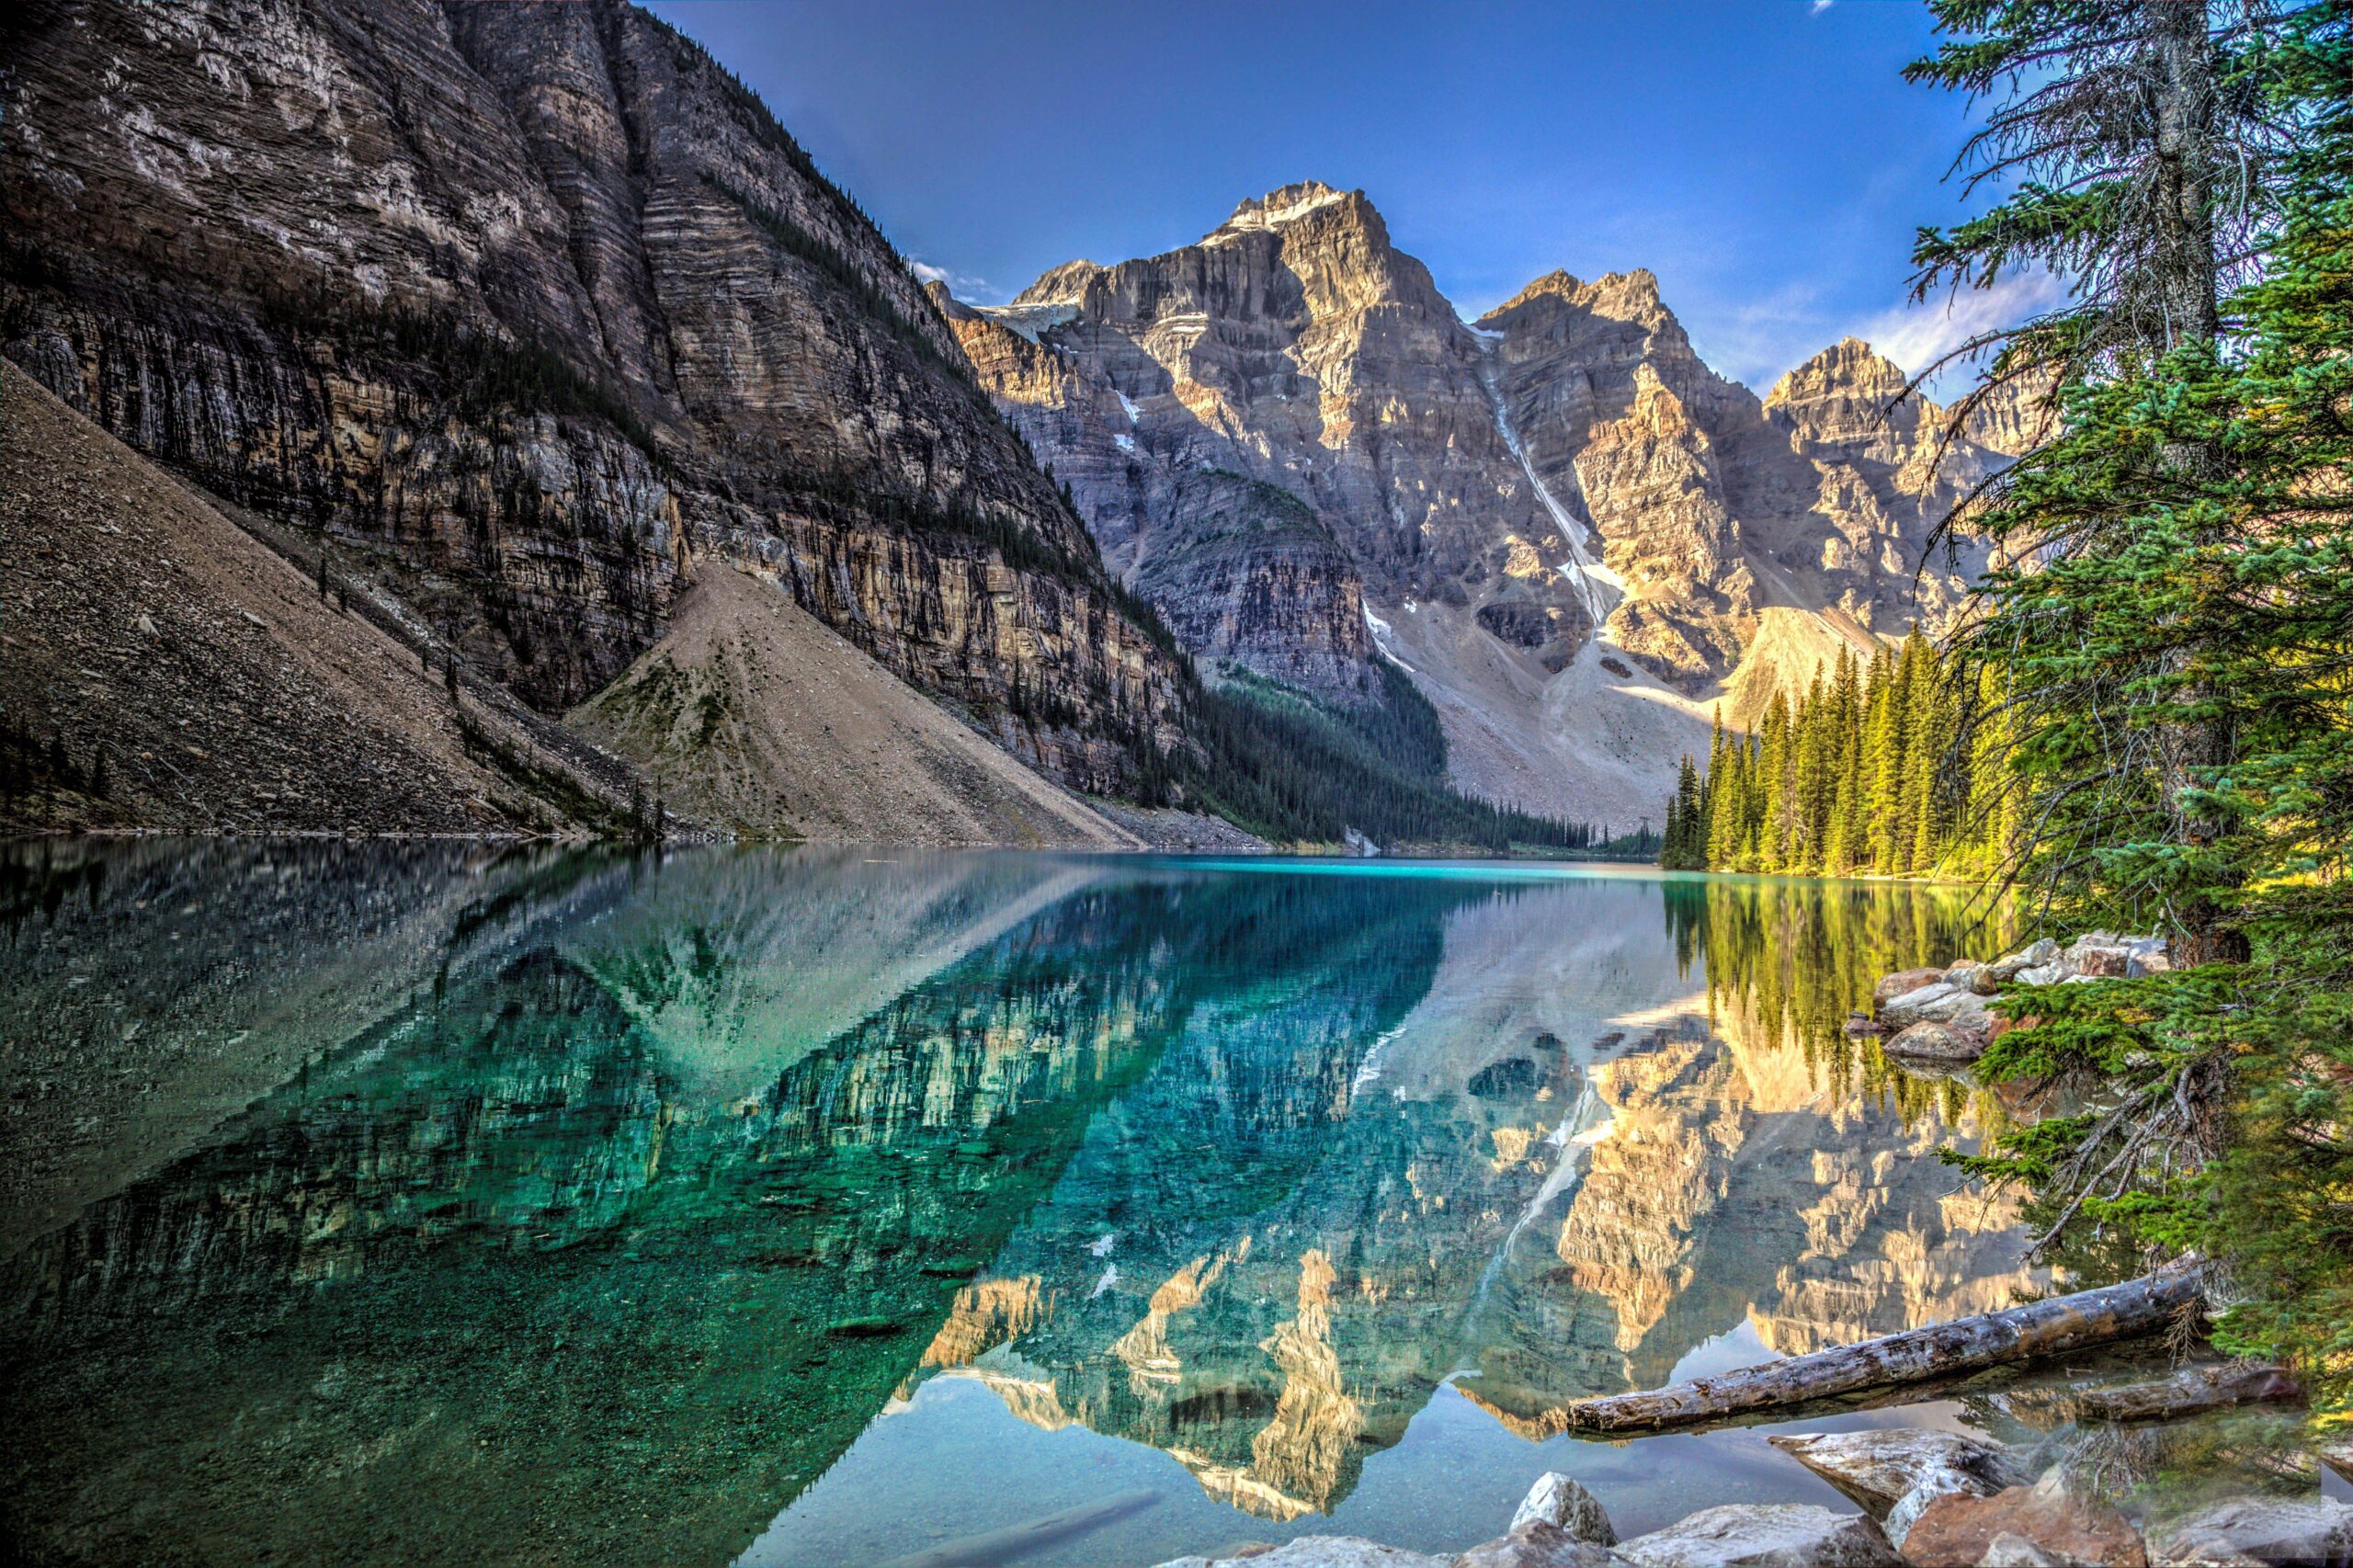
(1756, 337)
(1821, 5)
(1916, 336)
(963, 283)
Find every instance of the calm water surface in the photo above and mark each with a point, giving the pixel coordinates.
(435, 1203)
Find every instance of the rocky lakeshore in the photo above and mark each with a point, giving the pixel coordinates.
(1930, 1499)
(1939, 1017)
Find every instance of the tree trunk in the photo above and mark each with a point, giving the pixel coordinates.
(2138, 1307)
(2189, 290)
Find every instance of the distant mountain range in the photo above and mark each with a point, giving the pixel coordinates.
(1578, 537)
(529, 317)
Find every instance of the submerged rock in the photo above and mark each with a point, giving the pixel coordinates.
(1561, 1500)
(2259, 1529)
(1959, 1530)
(1876, 1468)
(1319, 1552)
(1764, 1535)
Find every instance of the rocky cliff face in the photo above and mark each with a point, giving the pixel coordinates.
(1293, 346)
(1572, 529)
(1243, 570)
(528, 308)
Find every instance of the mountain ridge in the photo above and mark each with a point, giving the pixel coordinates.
(1570, 528)
(523, 311)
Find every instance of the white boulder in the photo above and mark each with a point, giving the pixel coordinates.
(1560, 1500)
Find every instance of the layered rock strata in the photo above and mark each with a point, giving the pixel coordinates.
(526, 309)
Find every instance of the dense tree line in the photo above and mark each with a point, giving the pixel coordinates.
(1295, 770)
(1887, 769)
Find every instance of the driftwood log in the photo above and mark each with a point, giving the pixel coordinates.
(1016, 1541)
(2190, 1391)
(2138, 1307)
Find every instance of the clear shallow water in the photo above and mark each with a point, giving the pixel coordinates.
(425, 1202)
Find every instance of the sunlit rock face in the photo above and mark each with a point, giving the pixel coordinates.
(1613, 408)
(1713, 505)
(1497, 495)
(1311, 374)
(315, 258)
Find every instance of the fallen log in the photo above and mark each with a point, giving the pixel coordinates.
(2143, 1306)
(1017, 1542)
(2193, 1391)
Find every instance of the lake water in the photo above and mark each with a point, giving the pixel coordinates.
(432, 1202)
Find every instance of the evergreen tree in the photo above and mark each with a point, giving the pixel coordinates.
(1817, 747)
(1872, 775)
(1777, 780)
(2166, 637)
(2148, 159)
(1882, 779)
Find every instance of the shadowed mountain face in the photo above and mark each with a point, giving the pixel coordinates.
(1575, 533)
(601, 1209)
(523, 310)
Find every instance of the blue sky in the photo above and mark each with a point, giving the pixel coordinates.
(1763, 157)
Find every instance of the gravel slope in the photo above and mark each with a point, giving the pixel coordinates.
(224, 691)
(756, 717)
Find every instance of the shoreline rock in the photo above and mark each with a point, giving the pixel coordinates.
(1561, 1501)
(1764, 1535)
(1894, 1473)
(1959, 1530)
(1938, 1017)
(1950, 1499)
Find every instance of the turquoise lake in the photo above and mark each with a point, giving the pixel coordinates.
(436, 1202)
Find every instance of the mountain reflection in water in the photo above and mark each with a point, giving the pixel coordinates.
(423, 1202)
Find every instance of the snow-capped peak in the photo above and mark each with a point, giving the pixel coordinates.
(1275, 210)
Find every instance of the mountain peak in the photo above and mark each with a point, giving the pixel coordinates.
(1849, 364)
(1624, 295)
(1279, 209)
